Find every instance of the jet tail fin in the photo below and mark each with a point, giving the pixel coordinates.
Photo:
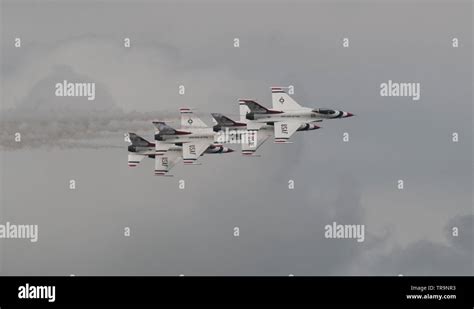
(189, 120)
(243, 111)
(282, 101)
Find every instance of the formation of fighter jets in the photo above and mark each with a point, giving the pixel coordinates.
(257, 123)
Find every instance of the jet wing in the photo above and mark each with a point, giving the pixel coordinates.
(254, 125)
(161, 148)
(164, 163)
(256, 140)
(193, 150)
(285, 129)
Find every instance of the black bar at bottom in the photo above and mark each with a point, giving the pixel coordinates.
(433, 291)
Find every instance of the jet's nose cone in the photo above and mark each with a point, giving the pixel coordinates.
(230, 150)
(349, 115)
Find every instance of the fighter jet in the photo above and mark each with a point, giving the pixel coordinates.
(255, 138)
(262, 134)
(195, 137)
(166, 161)
(287, 116)
(140, 148)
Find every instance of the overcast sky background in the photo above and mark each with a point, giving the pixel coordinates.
(281, 231)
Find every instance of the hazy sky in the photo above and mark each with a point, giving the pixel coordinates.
(190, 231)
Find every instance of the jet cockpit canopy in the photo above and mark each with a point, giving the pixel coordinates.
(324, 111)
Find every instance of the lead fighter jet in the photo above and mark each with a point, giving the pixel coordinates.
(260, 135)
(286, 115)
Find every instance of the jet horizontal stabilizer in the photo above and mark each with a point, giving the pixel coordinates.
(282, 141)
(162, 174)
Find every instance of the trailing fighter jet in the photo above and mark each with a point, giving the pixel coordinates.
(141, 148)
(166, 161)
(287, 116)
(256, 138)
(194, 137)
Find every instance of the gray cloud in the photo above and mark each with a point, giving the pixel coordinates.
(428, 258)
(44, 120)
(190, 231)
